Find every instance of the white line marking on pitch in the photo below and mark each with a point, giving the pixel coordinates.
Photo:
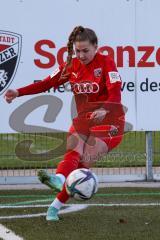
(7, 234)
(123, 204)
(77, 205)
(69, 209)
(73, 208)
(25, 206)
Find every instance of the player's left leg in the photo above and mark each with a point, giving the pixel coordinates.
(61, 198)
(56, 205)
(95, 148)
(92, 150)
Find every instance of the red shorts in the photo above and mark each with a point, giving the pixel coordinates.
(101, 131)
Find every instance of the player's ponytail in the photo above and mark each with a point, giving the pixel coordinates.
(79, 33)
(72, 38)
(70, 43)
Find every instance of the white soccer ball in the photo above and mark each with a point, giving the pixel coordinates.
(81, 184)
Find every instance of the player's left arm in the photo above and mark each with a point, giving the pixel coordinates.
(113, 84)
(113, 81)
(114, 108)
(111, 109)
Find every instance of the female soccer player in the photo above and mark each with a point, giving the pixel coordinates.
(99, 124)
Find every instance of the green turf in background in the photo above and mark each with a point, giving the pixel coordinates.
(130, 153)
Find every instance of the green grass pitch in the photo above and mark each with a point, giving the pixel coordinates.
(94, 222)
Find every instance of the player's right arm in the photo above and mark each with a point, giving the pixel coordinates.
(53, 80)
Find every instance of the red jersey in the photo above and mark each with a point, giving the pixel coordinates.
(96, 82)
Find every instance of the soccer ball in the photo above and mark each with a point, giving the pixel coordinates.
(81, 184)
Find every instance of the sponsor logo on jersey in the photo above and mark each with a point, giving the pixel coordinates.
(85, 87)
(114, 77)
(97, 72)
(10, 50)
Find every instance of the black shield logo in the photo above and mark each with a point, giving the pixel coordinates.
(10, 51)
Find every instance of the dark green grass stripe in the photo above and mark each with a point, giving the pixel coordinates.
(47, 198)
(98, 195)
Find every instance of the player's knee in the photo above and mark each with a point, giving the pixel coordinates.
(93, 153)
(75, 143)
(72, 142)
(86, 164)
(96, 145)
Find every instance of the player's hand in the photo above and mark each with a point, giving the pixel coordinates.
(99, 114)
(10, 95)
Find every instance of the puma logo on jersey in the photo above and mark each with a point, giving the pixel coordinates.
(74, 74)
(114, 77)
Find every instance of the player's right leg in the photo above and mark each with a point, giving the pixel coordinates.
(74, 152)
(54, 181)
(75, 146)
(70, 162)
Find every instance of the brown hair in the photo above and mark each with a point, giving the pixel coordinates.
(78, 34)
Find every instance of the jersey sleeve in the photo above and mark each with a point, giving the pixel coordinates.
(52, 81)
(113, 81)
(116, 114)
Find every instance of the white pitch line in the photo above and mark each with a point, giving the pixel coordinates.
(77, 205)
(71, 208)
(23, 216)
(123, 204)
(24, 206)
(7, 234)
